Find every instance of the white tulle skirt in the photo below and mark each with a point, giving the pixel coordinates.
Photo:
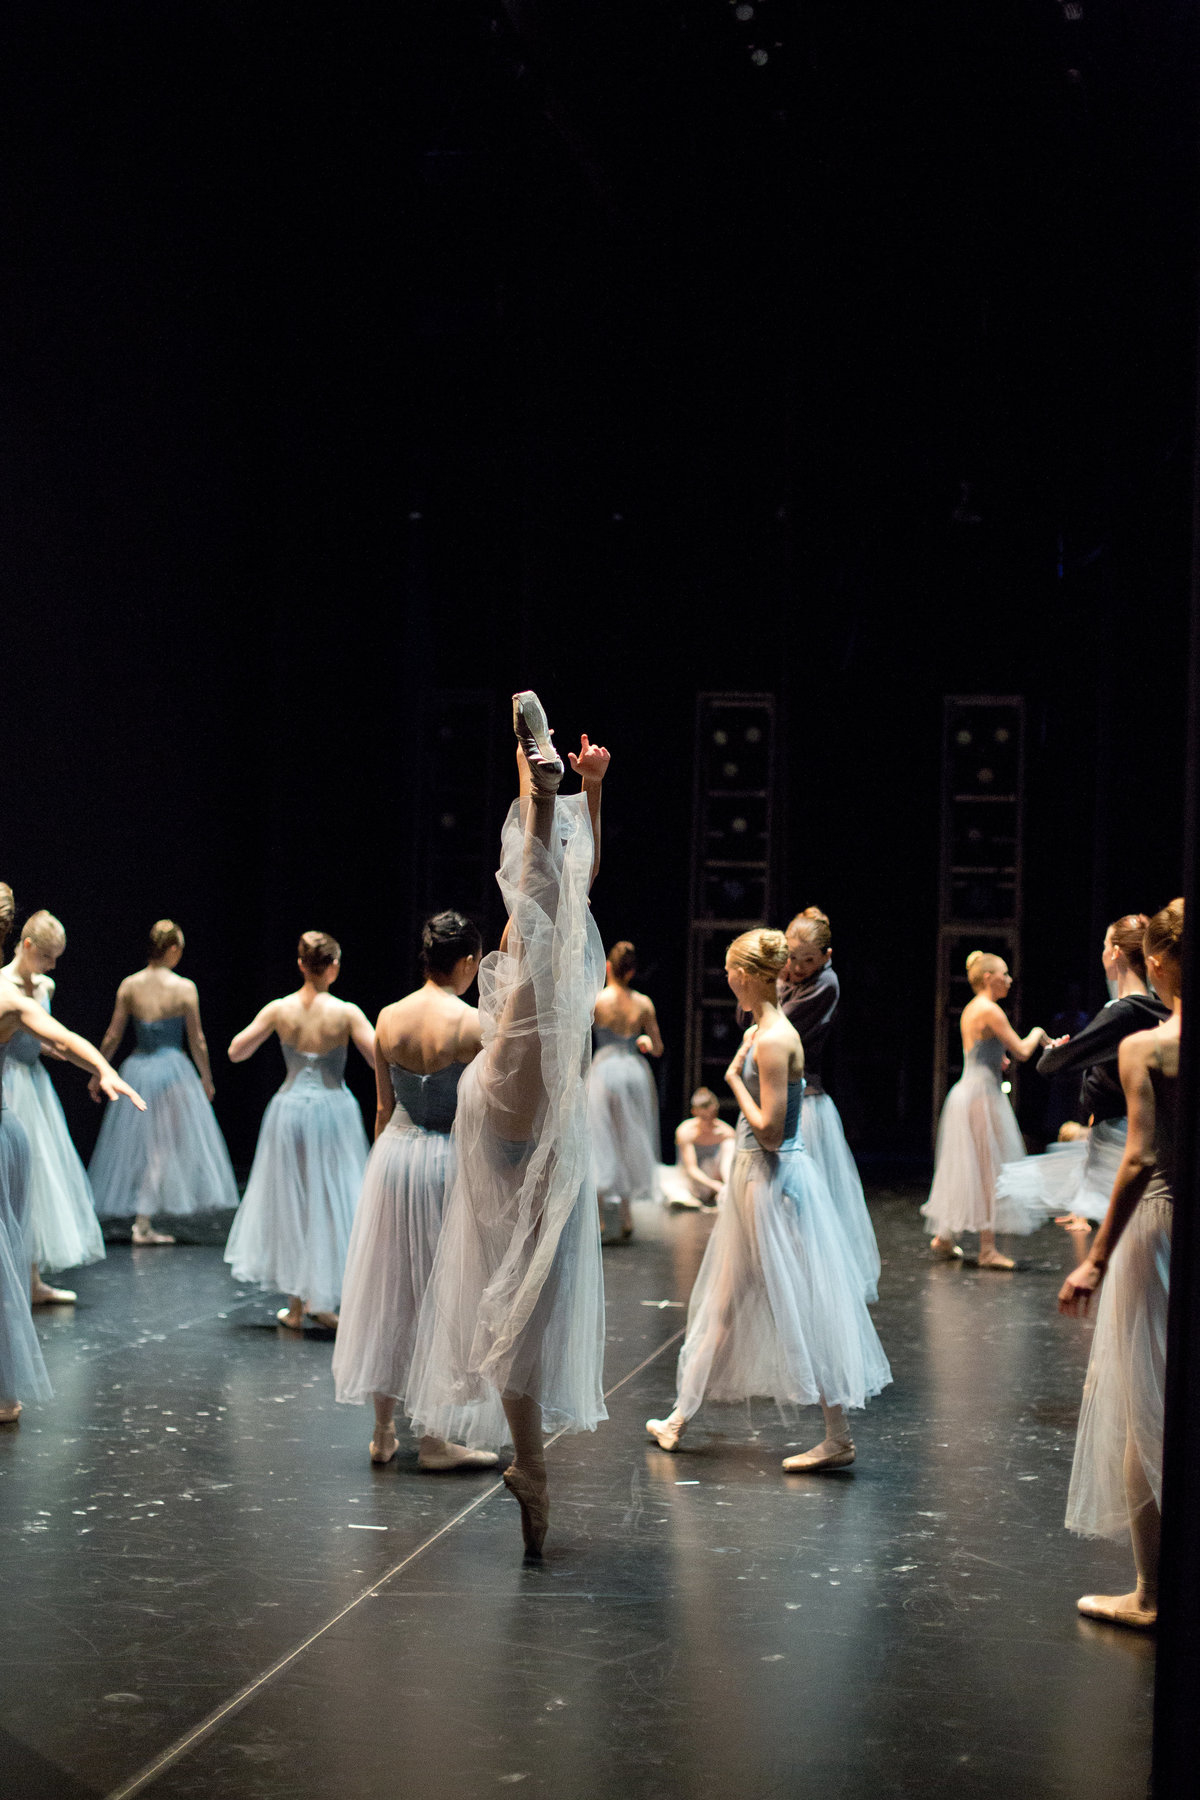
(171, 1159)
(63, 1230)
(1075, 1177)
(977, 1134)
(1125, 1385)
(825, 1141)
(622, 1117)
(777, 1309)
(392, 1245)
(22, 1371)
(292, 1230)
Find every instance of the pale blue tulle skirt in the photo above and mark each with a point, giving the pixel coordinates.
(825, 1141)
(977, 1134)
(63, 1231)
(170, 1159)
(22, 1372)
(292, 1231)
(1075, 1177)
(622, 1116)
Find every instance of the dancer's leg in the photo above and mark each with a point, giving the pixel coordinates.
(384, 1442)
(42, 1294)
(144, 1232)
(525, 1478)
(1139, 1609)
(989, 1256)
(513, 1080)
(835, 1451)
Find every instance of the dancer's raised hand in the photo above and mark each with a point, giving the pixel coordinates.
(591, 762)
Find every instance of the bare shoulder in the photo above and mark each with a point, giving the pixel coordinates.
(187, 990)
(686, 1133)
(1138, 1052)
(131, 986)
(1163, 1053)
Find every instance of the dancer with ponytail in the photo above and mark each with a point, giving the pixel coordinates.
(622, 1098)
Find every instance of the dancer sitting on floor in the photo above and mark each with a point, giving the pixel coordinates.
(423, 1044)
(622, 1099)
(515, 1302)
(778, 1306)
(64, 1232)
(978, 1130)
(1116, 1476)
(292, 1230)
(174, 1161)
(703, 1156)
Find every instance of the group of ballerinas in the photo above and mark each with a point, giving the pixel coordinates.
(1118, 1172)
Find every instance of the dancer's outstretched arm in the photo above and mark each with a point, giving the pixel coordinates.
(74, 1048)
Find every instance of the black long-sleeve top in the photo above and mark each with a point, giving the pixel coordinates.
(810, 1008)
(1095, 1049)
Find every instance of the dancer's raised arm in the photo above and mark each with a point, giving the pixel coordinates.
(591, 765)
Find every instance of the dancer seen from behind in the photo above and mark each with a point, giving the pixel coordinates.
(173, 1163)
(1116, 1476)
(515, 1302)
(63, 1232)
(423, 1044)
(1075, 1177)
(292, 1230)
(622, 1098)
(778, 1308)
(978, 1131)
(809, 996)
(22, 1371)
(703, 1155)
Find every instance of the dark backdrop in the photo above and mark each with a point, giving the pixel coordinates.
(351, 351)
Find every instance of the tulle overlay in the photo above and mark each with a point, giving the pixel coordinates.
(977, 1134)
(825, 1141)
(515, 1301)
(22, 1371)
(171, 1158)
(1125, 1384)
(292, 1231)
(1075, 1177)
(622, 1117)
(63, 1231)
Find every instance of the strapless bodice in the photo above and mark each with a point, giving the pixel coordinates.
(603, 1039)
(159, 1034)
(988, 1054)
(709, 1155)
(792, 1140)
(23, 1046)
(312, 1069)
(429, 1100)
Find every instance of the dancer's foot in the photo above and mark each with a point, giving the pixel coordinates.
(43, 1294)
(144, 1233)
(830, 1453)
(667, 1432)
(292, 1317)
(536, 741)
(1119, 1609)
(688, 1202)
(625, 1216)
(384, 1443)
(533, 1497)
(328, 1319)
(992, 1259)
(438, 1454)
(10, 1411)
(944, 1249)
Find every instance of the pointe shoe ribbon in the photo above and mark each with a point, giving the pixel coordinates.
(810, 1461)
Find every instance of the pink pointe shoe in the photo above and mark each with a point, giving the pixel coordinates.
(533, 1498)
(1119, 1609)
(384, 1444)
(537, 742)
(667, 1432)
(834, 1453)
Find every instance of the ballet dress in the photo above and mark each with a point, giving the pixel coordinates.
(515, 1301)
(292, 1230)
(622, 1116)
(778, 1309)
(1078, 1176)
(172, 1158)
(811, 1008)
(63, 1231)
(1121, 1418)
(977, 1134)
(22, 1371)
(713, 1160)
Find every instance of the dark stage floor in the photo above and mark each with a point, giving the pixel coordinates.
(209, 1591)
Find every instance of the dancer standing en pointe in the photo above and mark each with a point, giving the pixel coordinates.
(978, 1130)
(292, 1230)
(22, 1370)
(809, 995)
(174, 1161)
(622, 1099)
(64, 1232)
(1116, 1475)
(423, 1044)
(778, 1307)
(515, 1302)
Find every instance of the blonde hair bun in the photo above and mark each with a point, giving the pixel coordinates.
(761, 952)
(45, 933)
(980, 964)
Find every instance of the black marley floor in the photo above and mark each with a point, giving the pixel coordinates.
(209, 1592)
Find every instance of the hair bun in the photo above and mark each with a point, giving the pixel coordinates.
(975, 957)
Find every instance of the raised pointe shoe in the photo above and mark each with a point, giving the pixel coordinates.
(810, 1462)
(384, 1444)
(1118, 1609)
(667, 1432)
(537, 742)
(534, 1500)
(437, 1456)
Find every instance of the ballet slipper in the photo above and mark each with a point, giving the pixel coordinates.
(992, 1259)
(533, 1498)
(328, 1319)
(691, 1204)
(384, 1444)
(293, 1320)
(533, 733)
(667, 1432)
(10, 1411)
(45, 1295)
(945, 1250)
(436, 1455)
(830, 1453)
(1119, 1609)
(145, 1234)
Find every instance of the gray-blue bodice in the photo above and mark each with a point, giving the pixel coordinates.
(988, 1054)
(746, 1139)
(708, 1156)
(603, 1039)
(159, 1034)
(429, 1100)
(313, 1071)
(23, 1046)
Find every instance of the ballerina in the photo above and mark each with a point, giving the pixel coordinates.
(777, 1308)
(978, 1130)
(423, 1044)
(64, 1232)
(173, 1162)
(1116, 1474)
(22, 1370)
(703, 1156)
(292, 1230)
(515, 1302)
(809, 995)
(622, 1099)
(1075, 1177)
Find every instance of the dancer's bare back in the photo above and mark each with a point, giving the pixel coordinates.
(427, 1031)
